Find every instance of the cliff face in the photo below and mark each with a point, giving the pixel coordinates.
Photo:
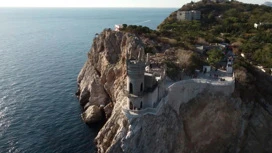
(210, 122)
(101, 79)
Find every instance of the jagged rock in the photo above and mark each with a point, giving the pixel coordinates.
(108, 110)
(102, 76)
(86, 106)
(90, 87)
(258, 133)
(84, 97)
(92, 115)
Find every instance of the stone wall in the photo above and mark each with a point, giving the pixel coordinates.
(183, 91)
(150, 98)
(132, 114)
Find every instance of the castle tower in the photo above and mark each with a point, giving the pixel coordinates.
(135, 83)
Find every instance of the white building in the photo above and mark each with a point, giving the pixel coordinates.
(206, 68)
(256, 25)
(117, 27)
(243, 55)
(188, 15)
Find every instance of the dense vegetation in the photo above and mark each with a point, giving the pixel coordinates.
(215, 56)
(136, 29)
(230, 22)
(225, 22)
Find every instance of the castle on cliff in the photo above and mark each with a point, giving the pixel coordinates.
(145, 83)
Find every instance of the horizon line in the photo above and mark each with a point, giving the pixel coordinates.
(83, 7)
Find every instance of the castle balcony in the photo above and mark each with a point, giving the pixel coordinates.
(134, 95)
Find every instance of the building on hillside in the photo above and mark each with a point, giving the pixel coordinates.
(117, 27)
(206, 68)
(263, 25)
(256, 25)
(199, 48)
(145, 83)
(188, 15)
(202, 48)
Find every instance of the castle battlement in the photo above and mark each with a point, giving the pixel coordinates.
(135, 67)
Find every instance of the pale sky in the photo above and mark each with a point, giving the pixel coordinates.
(103, 3)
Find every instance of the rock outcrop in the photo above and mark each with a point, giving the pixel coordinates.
(92, 115)
(210, 122)
(101, 80)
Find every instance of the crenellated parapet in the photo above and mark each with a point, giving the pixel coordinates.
(135, 68)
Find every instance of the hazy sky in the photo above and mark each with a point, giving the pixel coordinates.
(102, 3)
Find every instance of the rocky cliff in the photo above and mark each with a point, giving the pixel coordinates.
(101, 80)
(210, 122)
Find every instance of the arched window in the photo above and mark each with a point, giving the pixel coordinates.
(141, 106)
(141, 86)
(130, 105)
(130, 88)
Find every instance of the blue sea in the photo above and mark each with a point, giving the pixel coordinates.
(42, 51)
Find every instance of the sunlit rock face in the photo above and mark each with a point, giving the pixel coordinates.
(102, 77)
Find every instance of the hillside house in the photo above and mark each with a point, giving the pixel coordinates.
(188, 15)
(117, 27)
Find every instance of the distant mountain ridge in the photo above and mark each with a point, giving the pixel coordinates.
(268, 4)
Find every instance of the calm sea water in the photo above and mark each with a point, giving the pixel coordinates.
(41, 53)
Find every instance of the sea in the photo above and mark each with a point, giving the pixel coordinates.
(42, 51)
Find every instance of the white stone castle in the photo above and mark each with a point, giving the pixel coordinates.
(145, 83)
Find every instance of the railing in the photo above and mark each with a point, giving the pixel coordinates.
(208, 81)
(152, 111)
(161, 101)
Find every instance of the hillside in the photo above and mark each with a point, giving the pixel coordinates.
(226, 22)
(231, 22)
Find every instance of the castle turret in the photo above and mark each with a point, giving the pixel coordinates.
(135, 83)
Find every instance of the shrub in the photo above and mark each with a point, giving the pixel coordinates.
(215, 56)
(173, 70)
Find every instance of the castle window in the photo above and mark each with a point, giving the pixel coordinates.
(141, 105)
(141, 86)
(130, 105)
(130, 88)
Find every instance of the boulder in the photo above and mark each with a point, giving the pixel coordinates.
(92, 115)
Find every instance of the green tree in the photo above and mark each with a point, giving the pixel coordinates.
(124, 26)
(215, 56)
